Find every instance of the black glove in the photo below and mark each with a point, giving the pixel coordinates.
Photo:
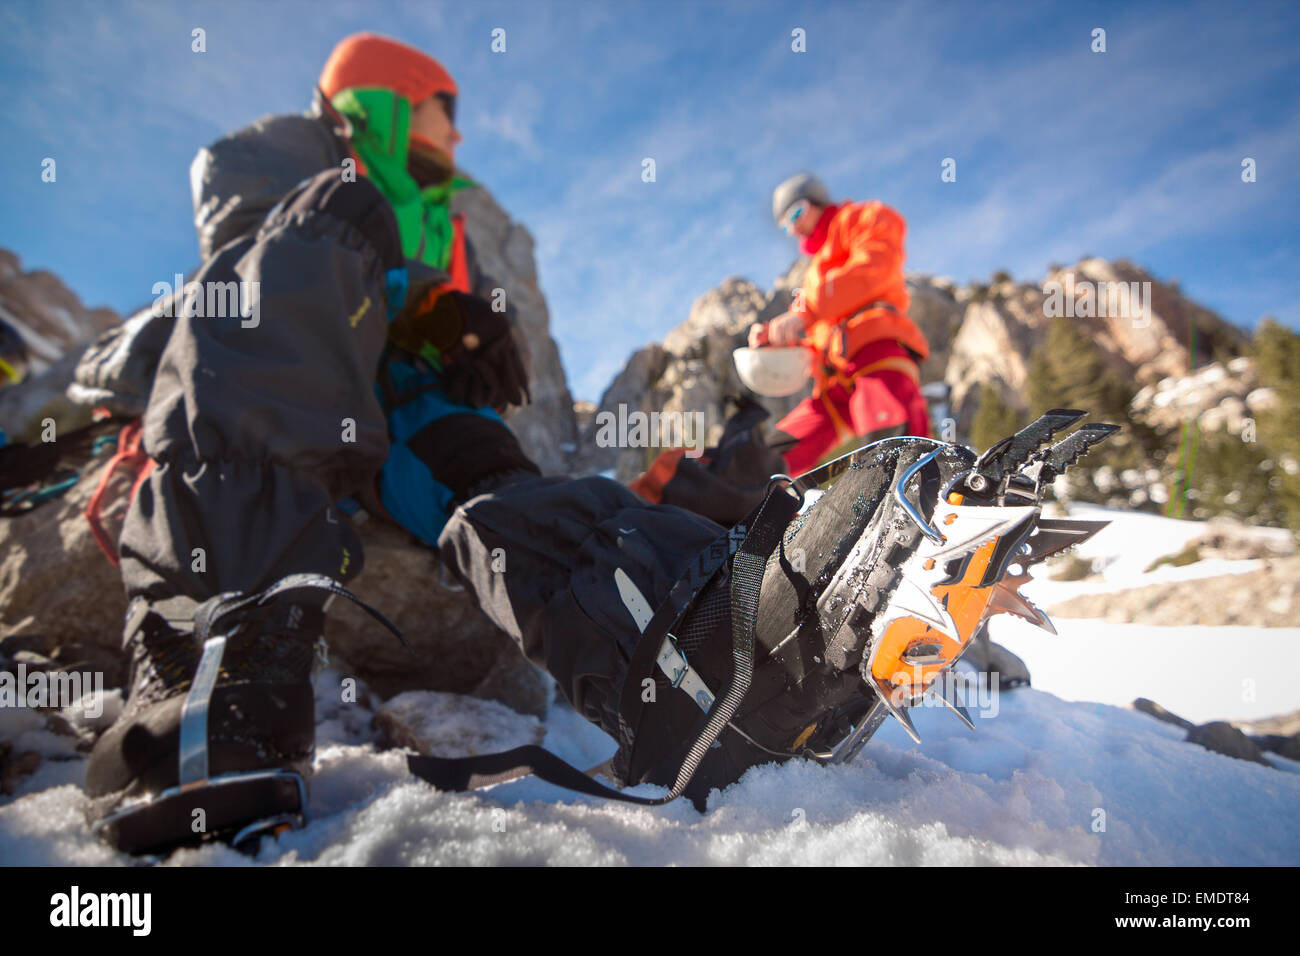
(481, 363)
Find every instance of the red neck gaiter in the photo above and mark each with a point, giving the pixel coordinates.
(814, 241)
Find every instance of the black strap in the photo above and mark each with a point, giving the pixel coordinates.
(631, 706)
(209, 616)
(746, 583)
(768, 524)
(458, 774)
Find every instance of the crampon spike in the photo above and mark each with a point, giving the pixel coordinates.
(1055, 535)
(956, 708)
(1006, 598)
(1071, 448)
(886, 696)
(1009, 454)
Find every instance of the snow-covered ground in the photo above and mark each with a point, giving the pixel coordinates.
(1046, 778)
(1201, 673)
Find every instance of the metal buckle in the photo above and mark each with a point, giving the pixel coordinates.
(790, 485)
(686, 665)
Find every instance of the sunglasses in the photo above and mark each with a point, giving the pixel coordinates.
(448, 104)
(791, 217)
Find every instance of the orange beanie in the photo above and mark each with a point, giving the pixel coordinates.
(367, 59)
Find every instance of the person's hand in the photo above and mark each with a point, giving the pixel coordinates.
(482, 365)
(787, 329)
(758, 335)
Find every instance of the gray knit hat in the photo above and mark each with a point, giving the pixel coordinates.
(804, 186)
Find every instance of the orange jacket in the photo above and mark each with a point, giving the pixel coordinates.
(861, 262)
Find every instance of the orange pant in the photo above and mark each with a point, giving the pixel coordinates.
(878, 401)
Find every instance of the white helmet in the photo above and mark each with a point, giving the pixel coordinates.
(774, 372)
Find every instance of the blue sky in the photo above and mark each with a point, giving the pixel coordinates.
(1060, 151)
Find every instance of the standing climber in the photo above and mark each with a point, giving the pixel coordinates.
(852, 312)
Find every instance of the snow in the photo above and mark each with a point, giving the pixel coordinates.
(1028, 787)
(1200, 673)
(1060, 773)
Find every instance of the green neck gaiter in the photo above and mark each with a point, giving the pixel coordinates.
(381, 121)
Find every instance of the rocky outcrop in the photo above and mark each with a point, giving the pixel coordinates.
(993, 345)
(46, 313)
(1142, 328)
(938, 314)
(1219, 396)
(997, 663)
(503, 248)
(1227, 540)
(1279, 735)
(690, 374)
(54, 327)
(1159, 713)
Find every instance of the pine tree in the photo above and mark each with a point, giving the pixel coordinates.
(1277, 356)
(1067, 371)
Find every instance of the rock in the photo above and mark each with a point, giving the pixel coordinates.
(15, 766)
(999, 333)
(58, 592)
(635, 388)
(46, 313)
(691, 374)
(1282, 745)
(1231, 541)
(1158, 712)
(1221, 737)
(1269, 597)
(1280, 735)
(449, 725)
(993, 345)
(938, 315)
(1285, 724)
(1261, 399)
(1219, 397)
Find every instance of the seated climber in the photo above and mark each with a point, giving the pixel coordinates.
(375, 372)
